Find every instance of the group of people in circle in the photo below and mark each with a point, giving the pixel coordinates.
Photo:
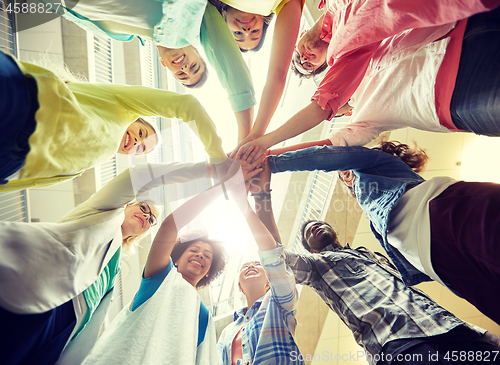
(386, 63)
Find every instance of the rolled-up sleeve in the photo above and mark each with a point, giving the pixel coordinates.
(225, 57)
(342, 80)
(280, 277)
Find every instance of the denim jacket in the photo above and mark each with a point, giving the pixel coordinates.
(381, 179)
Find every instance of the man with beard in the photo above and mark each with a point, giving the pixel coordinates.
(390, 321)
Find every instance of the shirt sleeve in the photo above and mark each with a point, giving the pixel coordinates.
(145, 101)
(355, 134)
(342, 80)
(225, 57)
(149, 286)
(280, 277)
(302, 267)
(357, 23)
(137, 180)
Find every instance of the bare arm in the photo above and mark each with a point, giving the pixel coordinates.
(244, 120)
(159, 255)
(304, 120)
(284, 38)
(260, 186)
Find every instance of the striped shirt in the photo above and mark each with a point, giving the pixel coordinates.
(269, 325)
(367, 293)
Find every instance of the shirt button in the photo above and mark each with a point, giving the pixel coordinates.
(408, 280)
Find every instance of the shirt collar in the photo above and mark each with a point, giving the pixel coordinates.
(334, 247)
(240, 313)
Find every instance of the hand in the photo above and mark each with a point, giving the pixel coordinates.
(261, 182)
(241, 171)
(251, 137)
(251, 151)
(490, 337)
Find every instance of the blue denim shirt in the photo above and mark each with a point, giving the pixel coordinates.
(381, 179)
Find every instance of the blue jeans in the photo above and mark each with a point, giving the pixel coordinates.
(475, 104)
(18, 105)
(35, 338)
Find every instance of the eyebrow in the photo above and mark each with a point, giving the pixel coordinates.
(210, 252)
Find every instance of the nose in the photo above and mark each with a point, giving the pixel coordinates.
(303, 57)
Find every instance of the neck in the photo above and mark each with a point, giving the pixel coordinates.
(316, 29)
(253, 296)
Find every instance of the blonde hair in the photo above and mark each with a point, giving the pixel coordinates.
(152, 127)
(130, 244)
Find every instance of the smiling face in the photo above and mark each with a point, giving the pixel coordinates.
(138, 139)
(245, 27)
(310, 52)
(185, 63)
(318, 235)
(195, 262)
(252, 275)
(136, 222)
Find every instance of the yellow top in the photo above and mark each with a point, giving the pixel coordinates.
(80, 125)
(262, 7)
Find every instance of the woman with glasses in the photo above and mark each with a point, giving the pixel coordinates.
(53, 276)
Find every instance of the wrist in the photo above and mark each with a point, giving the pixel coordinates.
(263, 195)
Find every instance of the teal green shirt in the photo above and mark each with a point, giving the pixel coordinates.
(183, 23)
(94, 293)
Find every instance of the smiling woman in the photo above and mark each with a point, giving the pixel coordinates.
(167, 310)
(56, 130)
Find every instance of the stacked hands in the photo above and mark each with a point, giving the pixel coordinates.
(247, 171)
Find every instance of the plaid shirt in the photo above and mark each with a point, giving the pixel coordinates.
(269, 325)
(367, 293)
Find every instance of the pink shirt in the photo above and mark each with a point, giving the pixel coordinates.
(355, 29)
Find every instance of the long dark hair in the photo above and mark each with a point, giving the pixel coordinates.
(218, 257)
(416, 158)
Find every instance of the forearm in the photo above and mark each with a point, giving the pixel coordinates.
(299, 146)
(244, 119)
(137, 180)
(305, 119)
(281, 278)
(271, 97)
(263, 238)
(285, 35)
(264, 210)
(163, 244)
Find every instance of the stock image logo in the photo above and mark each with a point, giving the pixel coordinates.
(27, 14)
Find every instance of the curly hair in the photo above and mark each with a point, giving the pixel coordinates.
(303, 232)
(319, 70)
(415, 157)
(218, 257)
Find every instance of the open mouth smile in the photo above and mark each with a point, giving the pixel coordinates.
(179, 59)
(127, 141)
(196, 263)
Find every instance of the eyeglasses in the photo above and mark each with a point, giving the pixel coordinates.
(146, 209)
(305, 68)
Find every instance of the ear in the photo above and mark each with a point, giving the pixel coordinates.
(176, 263)
(241, 289)
(224, 14)
(348, 114)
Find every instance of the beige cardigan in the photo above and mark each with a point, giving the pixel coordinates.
(44, 265)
